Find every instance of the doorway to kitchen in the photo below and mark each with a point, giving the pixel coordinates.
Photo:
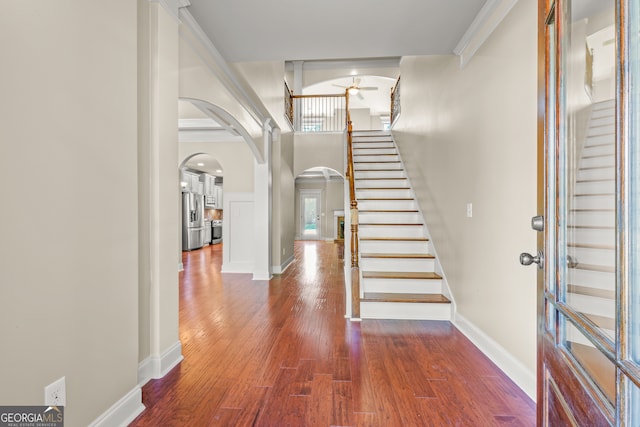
(310, 214)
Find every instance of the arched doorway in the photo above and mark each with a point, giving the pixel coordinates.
(319, 204)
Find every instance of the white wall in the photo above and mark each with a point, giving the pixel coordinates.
(469, 136)
(312, 150)
(235, 158)
(69, 246)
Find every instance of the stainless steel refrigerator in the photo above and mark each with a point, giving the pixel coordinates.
(192, 221)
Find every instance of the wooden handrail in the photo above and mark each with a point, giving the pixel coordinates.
(355, 266)
(335, 95)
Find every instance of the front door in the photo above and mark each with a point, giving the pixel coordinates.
(589, 188)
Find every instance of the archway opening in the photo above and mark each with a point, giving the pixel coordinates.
(319, 204)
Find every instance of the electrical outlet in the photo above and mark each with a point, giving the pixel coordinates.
(283, 251)
(469, 210)
(55, 394)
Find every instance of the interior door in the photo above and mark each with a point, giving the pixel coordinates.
(588, 311)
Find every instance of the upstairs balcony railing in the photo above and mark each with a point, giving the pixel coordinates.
(317, 113)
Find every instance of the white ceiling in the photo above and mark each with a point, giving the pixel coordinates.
(281, 30)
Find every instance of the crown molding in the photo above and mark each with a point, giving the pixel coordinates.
(172, 6)
(485, 22)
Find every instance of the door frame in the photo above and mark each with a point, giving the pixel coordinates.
(303, 193)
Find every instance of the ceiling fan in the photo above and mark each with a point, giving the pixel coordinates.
(354, 88)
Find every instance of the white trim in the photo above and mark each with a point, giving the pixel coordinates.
(122, 412)
(485, 22)
(515, 370)
(224, 72)
(172, 6)
(154, 367)
(279, 269)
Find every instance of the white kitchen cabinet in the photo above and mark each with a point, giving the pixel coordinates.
(209, 184)
(218, 196)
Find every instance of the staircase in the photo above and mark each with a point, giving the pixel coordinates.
(399, 279)
(591, 229)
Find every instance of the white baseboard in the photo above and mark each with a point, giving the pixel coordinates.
(279, 269)
(154, 367)
(262, 275)
(122, 412)
(513, 368)
(236, 267)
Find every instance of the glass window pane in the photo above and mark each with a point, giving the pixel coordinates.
(586, 247)
(633, 181)
(633, 405)
(594, 362)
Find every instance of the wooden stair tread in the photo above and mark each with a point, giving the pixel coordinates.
(395, 239)
(385, 198)
(392, 223)
(396, 256)
(374, 154)
(413, 298)
(400, 275)
(380, 179)
(382, 188)
(378, 161)
(389, 210)
(378, 170)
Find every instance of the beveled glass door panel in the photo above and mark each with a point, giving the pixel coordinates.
(586, 256)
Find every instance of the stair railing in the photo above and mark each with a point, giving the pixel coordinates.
(355, 266)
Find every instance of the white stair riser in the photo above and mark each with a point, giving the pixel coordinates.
(399, 265)
(402, 286)
(589, 174)
(608, 160)
(604, 257)
(602, 130)
(380, 174)
(409, 311)
(593, 305)
(370, 158)
(596, 219)
(594, 202)
(387, 204)
(601, 118)
(592, 279)
(371, 140)
(377, 136)
(596, 140)
(374, 150)
(595, 187)
(605, 105)
(371, 133)
(598, 150)
(390, 193)
(399, 231)
(385, 183)
(377, 166)
(588, 236)
(394, 247)
(358, 145)
(390, 217)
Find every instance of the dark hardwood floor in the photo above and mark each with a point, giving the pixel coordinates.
(280, 353)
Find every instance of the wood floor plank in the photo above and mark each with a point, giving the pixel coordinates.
(280, 352)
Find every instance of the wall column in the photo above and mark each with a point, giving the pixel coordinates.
(159, 192)
(263, 208)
